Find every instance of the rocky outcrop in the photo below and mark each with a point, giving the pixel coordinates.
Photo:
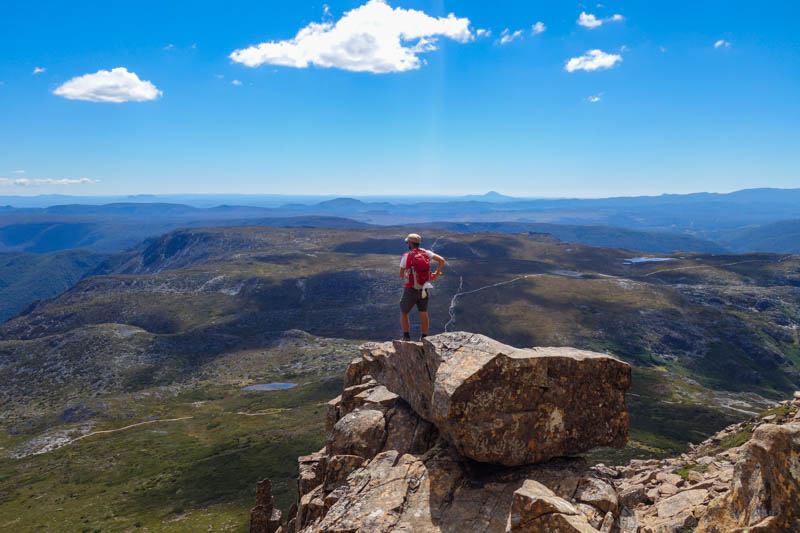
(387, 469)
(765, 495)
(499, 404)
(264, 518)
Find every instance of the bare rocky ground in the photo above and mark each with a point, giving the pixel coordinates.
(386, 469)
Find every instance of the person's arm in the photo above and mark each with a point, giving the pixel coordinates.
(440, 261)
(403, 266)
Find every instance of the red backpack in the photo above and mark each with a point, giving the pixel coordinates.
(420, 265)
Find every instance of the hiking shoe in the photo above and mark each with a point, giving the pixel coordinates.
(406, 336)
(422, 337)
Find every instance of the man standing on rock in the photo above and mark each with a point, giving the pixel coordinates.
(415, 268)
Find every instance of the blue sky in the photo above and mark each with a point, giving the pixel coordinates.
(686, 96)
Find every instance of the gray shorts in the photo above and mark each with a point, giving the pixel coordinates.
(412, 297)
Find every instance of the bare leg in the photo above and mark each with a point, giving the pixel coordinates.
(423, 317)
(406, 324)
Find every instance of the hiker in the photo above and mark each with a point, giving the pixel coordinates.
(415, 268)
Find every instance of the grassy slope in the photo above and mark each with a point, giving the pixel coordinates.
(25, 277)
(182, 475)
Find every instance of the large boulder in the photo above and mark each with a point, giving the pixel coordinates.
(506, 405)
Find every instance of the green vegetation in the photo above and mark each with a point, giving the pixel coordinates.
(685, 469)
(171, 476)
(25, 277)
(195, 460)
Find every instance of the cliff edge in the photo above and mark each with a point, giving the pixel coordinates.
(463, 434)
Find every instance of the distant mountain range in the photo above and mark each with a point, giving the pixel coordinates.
(742, 221)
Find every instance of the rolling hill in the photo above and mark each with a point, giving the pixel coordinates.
(783, 237)
(25, 277)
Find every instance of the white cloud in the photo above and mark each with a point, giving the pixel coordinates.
(116, 85)
(371, 38)
(25, 182)
(662, 49)
(326, 10)
(538, 28)
(594, 98)
(722, 44)
(480, 32)
(169, 47)
(587, 20)
(38, 70)
(507, 36)
(592, 60)
(236, 82)
(18, 171)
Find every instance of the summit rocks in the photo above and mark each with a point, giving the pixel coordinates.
(395, 461)
(505, 405)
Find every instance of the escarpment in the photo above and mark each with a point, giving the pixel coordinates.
(463, 434)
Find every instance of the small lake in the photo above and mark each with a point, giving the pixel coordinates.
(270, 386)
(648, 259)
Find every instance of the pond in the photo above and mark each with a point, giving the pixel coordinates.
(270, 386)
(648, 259)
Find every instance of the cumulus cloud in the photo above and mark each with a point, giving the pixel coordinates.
(538, 28)
(722, 43)
(480, 32)
(507, 36)
(592, 60)
(26, 182)
(371, 38)
(594, 98)
(38, 70)
(587, 20)
(116, 85)
(236, 82)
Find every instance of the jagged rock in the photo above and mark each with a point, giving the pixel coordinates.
(339, 467)
(598, 493)
(765, 495)
(535, 508)
(264, 518)
(695, 476)
(608, 523)
(632, 496)
(312, 471)
(361, 433)
(311, 507)
(506, 405)
(669, 477)
(378, 398)
(593, 515)
(436, 491)
(408, 433)
(678, 503)
(349, 402)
